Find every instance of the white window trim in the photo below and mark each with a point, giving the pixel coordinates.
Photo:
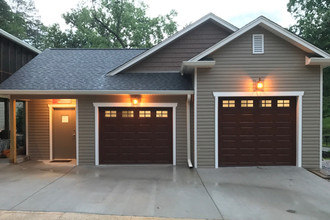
(321, 113)
(297, 94)
(118, 104)
(51, 108)
(263, 44)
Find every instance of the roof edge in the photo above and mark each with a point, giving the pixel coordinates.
(264, 21)
(172, 38)
(93, 92)
(18, 41)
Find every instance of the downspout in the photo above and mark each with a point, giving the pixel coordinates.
(188, 131)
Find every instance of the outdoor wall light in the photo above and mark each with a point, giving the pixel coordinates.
(135, 99)
(259, 85)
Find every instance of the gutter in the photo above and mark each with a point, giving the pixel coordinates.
(315, 61)
(93, 92)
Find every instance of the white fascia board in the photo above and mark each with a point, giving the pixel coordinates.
(198, 64)
(172, 38)
(18, 41)
(276, 29)
(314, 61)
(94, 92)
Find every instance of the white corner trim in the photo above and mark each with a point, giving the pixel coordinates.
(216, 131)
(321, 114)
(195, 118)
(188, 126)
(297, 94)
(265, 22)
(51, 108)
(27, 127)
(77, 133)
(172, 38)
(118, 104)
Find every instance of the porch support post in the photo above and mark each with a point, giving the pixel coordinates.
(12, 126)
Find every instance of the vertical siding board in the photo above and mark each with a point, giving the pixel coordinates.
(39, 128)
(87, 132)
(283, 69)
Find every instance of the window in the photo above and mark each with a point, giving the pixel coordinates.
(266, 103)
(110, 114)
(247, 103)
(228, 103)
(144, 114)
(283, 103)
(258, 43)
(161, 114)
(127, 114)
(65, 119)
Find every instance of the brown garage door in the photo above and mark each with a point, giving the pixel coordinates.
(135, 136)
(257, 131)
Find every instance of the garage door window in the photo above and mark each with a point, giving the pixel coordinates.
(228, 103)
(283, 103)
(266, 103)
(144, 114)
(127, 114)
(247, 103)
(161, 114)
(110, 114)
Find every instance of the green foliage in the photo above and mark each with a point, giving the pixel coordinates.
(11, 22)
(117, 24)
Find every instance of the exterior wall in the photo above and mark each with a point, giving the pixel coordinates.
(282, 67)
(38, 126)
(86, 114)
(12, 57)
(187, 46)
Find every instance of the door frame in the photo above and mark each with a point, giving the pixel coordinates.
(51, 109)
(297, 94)
(116, 104)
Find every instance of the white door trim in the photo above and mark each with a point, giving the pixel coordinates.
(51, 108)
(297, 94)
(118, 104)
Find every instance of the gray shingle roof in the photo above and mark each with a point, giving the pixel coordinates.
(86, 69)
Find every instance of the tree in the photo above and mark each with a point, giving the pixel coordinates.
(313, 22)
(118, 23)
(11, 22)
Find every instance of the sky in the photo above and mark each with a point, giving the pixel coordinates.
(236, 12)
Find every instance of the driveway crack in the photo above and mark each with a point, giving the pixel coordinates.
(210, 195)
(64, 174)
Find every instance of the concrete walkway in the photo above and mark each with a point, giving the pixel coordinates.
(124, 192)
(18, 215)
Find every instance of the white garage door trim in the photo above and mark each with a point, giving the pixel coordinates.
(297, 94)
(118, 104)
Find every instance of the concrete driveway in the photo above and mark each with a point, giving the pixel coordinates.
(165, 191)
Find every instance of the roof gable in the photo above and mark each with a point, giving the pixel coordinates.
(169, 40)
(18, 41)
(270, 26)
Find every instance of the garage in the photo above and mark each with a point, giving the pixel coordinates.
(135, 135)
(257, 131)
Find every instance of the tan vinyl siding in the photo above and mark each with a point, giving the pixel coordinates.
(282, 67)
(86, 114)
(187, 46)
(38, 125)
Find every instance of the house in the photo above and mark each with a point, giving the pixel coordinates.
(210, 95)
(14, 53)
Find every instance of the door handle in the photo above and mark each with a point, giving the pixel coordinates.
(74, 132)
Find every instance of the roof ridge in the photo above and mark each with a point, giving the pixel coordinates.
(97, 49)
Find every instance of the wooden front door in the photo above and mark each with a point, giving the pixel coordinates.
(64, 133)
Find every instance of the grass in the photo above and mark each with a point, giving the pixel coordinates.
(326, 130)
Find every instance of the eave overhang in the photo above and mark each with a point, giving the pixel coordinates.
(94, 92)
(315, 61)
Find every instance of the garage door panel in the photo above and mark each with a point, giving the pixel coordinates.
(140, 139)
(258, 135)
